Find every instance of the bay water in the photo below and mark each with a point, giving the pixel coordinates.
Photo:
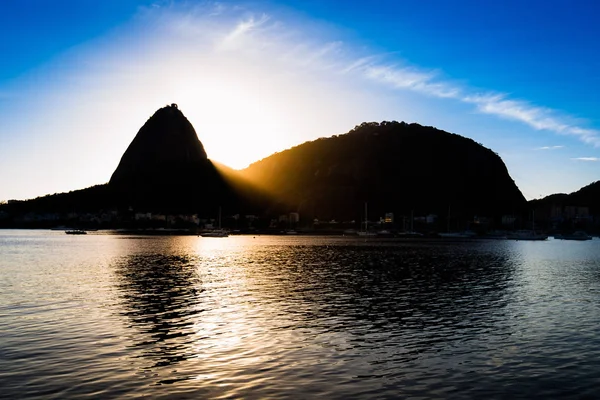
(114, 316)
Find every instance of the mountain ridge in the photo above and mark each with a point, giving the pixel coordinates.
(403, 166)
(395, 167)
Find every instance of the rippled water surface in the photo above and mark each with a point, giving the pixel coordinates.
(108, 316)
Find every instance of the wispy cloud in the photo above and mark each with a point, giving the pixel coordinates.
(243, 28)
(549, 148)
(497, 104)
(400, 76)
(593, 159)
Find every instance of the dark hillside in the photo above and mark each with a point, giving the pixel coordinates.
(165, 168)
(394, 167)
(588, 196)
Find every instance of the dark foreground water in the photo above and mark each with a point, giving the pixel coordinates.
(104, 316)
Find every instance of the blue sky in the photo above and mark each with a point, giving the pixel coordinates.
(79, 78)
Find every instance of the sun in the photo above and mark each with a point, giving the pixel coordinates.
(237, 122)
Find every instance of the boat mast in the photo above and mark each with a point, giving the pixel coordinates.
(366, 218)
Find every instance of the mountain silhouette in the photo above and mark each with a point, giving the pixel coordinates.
(165, 168)
(588, 196)
(166, 144)
(395, 167)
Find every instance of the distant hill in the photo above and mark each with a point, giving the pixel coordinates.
(394, 166)
(90, 199)
(587, 196)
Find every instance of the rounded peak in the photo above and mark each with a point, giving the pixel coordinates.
(167, 139)
(169, 109)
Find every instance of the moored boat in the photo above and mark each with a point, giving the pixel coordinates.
(577, 235)
(366, 232)
(76, 232)
(409, 234)
(458, 235)
(215, 233)
(526, 235)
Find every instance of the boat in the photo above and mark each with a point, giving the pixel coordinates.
(458, 235)
(76, 232)
(409, 234)
(526, 234)
(216, 233)
(577, 235)
(468, 234)
(366, 231)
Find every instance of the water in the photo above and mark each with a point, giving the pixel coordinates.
(108, 316)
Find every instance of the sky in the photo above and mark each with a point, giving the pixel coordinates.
(78, 78)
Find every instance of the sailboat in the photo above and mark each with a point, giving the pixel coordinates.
(456, 235)
(366, 231)
(216, 232)
(410, 233)
(527, 234)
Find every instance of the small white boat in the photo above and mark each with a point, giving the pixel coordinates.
(76, 232)
(218, 233)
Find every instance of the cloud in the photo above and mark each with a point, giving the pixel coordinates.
(497, 104)
(549, 148)
(243, 28)
(539, 118)
(592, 159)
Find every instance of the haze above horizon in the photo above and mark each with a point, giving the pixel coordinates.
(79, 78)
